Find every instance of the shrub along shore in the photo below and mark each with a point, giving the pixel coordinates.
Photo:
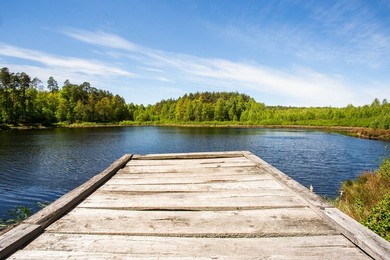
(367, 199)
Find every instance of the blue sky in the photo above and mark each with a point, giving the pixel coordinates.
(300, 53)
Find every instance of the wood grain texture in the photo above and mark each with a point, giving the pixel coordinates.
(126, 185)
(17, 238)
(133, 247)
(178, 162)
(128, 171)
(184, 168)
(217, 200)
(194, 180)
(200, 155)
(238, 223)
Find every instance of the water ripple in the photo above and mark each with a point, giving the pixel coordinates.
(42, 165)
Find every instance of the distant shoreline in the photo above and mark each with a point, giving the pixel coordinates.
(359, 132)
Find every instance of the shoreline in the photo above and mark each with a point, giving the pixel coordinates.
(358, 132)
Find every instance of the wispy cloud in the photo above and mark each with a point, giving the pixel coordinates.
(294, 86)
(359, 36)
(346, 32)
(100, 38)
(76, 65)
(164, 79)
(299, 85)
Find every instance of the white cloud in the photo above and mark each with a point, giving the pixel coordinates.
(100, 38)
(299, 85)
(164, 79)
(350, 33)
(43, 73)
(75, 65)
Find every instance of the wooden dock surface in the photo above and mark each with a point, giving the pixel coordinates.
(227, 205)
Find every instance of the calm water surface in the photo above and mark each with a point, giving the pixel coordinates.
(42, 165)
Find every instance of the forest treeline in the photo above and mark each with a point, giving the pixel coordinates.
(26, 100)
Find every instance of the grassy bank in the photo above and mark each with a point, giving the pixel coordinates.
(368, 133)
(367, 199)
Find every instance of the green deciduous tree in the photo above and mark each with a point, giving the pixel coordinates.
(52, 85)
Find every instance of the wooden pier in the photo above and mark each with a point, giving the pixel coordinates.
(225, 205)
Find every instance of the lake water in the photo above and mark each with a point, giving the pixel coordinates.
(42, 165)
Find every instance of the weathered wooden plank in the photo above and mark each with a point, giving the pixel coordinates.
(127, 185)
(17, 238)
(328, 253)
(216, 200)
(188, 173)
(204, 177)
(56, 209)
(238, 223)
(374, 245)
(184, 167)
(179, 162)
(58, 255)
(189, 170)
(180, 179)
(75, 245)
(200, 155)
